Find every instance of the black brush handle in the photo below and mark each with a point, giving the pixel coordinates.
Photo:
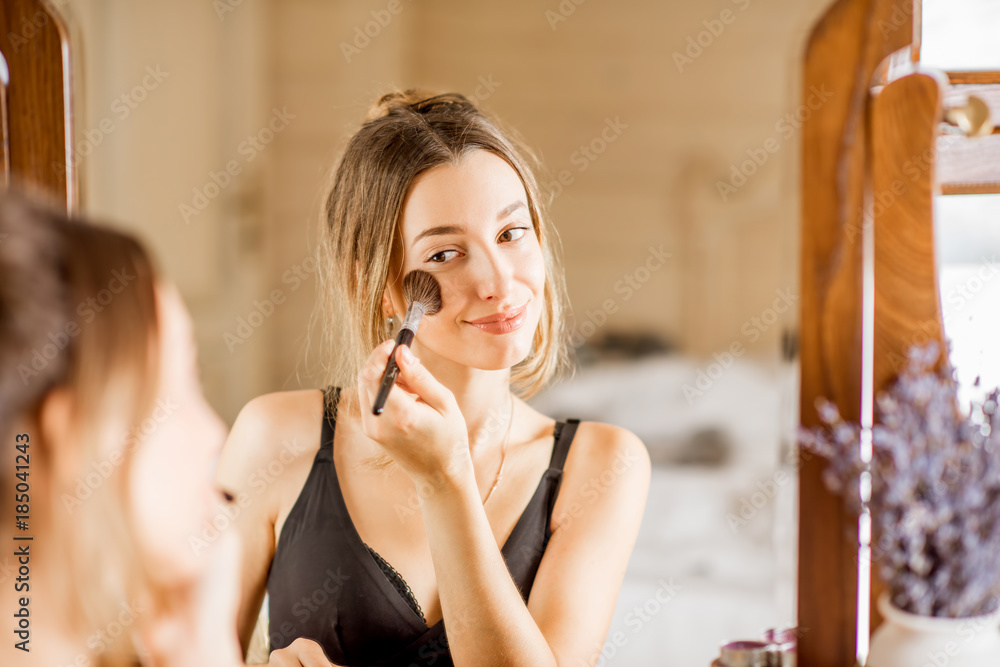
(405, 337)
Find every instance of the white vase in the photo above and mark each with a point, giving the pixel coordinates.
(912, 640)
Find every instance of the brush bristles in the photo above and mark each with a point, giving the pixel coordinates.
(423, 287)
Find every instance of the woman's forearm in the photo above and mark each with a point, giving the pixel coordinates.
(486, 620)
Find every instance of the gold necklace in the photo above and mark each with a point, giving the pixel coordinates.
(503, 451)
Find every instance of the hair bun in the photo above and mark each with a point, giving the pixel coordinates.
(415, 99)
(397, 99)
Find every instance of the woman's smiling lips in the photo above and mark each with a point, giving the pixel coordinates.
(502, 323)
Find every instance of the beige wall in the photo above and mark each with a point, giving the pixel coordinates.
(655, 184)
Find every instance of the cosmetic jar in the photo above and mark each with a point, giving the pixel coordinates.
(744, 654)
(782, 646)
(775, 649)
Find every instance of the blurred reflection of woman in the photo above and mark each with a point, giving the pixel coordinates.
(460, 526)
(110, 447)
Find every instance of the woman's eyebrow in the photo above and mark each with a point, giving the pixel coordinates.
(510, 208)
(439, 231)
(458, 229)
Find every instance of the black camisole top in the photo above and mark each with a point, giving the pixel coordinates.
(326, 584)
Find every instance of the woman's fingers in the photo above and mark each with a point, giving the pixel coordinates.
(420, 410)
(370, 375)
(300, 653)
(419, 381)
(413, 379)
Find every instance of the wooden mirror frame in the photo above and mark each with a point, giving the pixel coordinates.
(854, 148)
(844, 153)
(37, 110)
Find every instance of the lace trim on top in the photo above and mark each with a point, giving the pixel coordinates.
(397, 581)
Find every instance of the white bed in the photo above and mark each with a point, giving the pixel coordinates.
(727, 583)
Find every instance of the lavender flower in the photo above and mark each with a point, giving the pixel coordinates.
(935, 499)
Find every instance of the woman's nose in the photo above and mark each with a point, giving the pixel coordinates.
(493, 276)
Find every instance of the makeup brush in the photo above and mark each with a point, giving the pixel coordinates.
(423, 293)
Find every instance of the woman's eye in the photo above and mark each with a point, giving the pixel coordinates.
(517, 232)
(432, 260)
(522, 230)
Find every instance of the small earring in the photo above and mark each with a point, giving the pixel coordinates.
(389, 323)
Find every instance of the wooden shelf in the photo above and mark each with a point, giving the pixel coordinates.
(970, 165)
(974, 77)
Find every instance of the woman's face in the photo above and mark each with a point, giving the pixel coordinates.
(171, 476)
(469, 226)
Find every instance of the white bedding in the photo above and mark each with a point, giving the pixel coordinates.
(729, 583)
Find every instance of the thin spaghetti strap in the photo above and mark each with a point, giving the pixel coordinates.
(329, 416)
(564, 433)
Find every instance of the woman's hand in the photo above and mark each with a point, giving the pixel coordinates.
(421, 427)
(300, 653)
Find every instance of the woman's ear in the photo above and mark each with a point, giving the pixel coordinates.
(387, 309)
(56, 423)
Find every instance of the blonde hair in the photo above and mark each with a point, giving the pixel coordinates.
(109, 365)
(405, 134)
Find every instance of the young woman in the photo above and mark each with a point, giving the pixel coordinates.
(109, 447)
(460, 526)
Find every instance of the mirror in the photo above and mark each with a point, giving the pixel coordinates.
(670, 134)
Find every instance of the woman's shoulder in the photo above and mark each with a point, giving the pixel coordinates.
(280, 406)
(280, 413)
(607, 469)
(273, 426)
(598, 446)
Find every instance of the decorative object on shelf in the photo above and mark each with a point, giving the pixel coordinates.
(935, 504)
(905, 639)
